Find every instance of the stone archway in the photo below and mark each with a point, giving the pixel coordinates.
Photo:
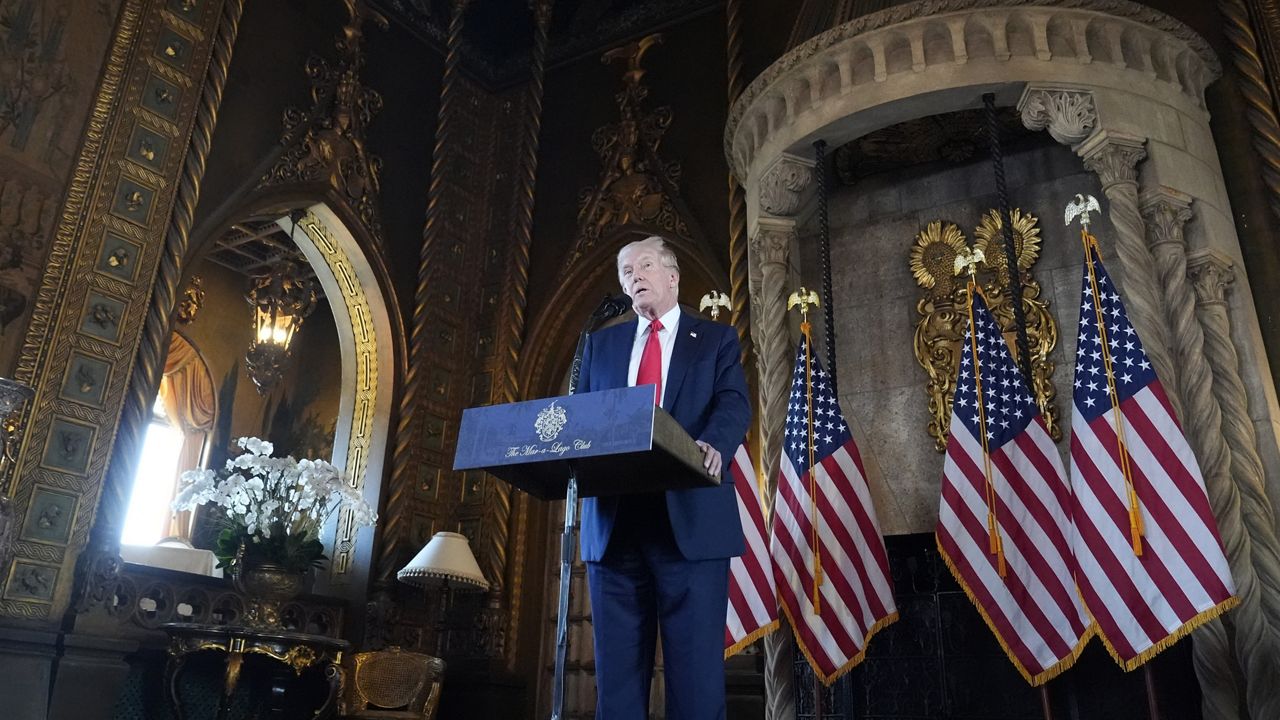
(1123, 86)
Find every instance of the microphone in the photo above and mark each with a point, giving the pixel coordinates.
(610, 307)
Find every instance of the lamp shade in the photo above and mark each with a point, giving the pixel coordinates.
(446, 558)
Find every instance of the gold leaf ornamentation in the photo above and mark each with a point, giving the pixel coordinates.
(939, 260)
(933, 257)
(990, 240)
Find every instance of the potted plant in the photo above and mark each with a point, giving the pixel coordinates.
(273, 510)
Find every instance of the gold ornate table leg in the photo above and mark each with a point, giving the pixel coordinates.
(334, 676)
(172, 668)
(235, 659)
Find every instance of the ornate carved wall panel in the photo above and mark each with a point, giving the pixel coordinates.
(940, 259)
(92, 300)
(48, 85)
(461, 365)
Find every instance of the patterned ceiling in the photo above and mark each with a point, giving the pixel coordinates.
(498, 34)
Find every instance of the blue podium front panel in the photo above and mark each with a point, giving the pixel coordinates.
(618, 441)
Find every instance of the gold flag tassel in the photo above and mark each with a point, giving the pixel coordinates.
(995, 545)
(804, 298)
(1136, 528)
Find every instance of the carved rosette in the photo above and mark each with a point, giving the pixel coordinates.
(782, 186)
(1068, 115)
(938, 257)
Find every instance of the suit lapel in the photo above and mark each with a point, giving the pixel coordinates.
(682, 356)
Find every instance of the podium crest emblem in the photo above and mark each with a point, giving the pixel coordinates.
(550, 421)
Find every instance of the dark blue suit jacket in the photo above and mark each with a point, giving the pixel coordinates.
(706, 392)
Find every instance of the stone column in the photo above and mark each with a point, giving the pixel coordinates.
(1166, 212)
(1114, 157)
(1257, 621)
(780, 194)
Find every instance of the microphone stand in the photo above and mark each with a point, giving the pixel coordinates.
(609, 308)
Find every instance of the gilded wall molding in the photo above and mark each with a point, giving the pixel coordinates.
(367, 380)
(331, 149)
(88, 315)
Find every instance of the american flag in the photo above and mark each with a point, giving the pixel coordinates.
(1003, 522)
(753, 598)
(828, 557)
(1151, 564)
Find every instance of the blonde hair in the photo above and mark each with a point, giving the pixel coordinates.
(665, 255)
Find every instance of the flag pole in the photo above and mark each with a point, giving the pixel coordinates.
(1091, 251)
(804, 298)
(1153, 705)
(995, 546)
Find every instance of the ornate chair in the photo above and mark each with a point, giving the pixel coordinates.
(392, 684)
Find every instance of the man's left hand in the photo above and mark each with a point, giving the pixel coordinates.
(710, 457)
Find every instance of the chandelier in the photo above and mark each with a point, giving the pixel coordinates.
(281, 300)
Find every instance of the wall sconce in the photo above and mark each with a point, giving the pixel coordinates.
(281, 300)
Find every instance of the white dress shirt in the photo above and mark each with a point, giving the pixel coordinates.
(666, 338)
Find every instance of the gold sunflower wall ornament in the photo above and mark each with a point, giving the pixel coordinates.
(941, 259)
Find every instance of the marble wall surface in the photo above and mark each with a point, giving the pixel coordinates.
(873, 226)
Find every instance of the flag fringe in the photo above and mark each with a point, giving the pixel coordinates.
(742, 644)
(1048, 673)
(1185, 629)
(853, 662)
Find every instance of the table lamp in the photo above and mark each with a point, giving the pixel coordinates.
(446, 562)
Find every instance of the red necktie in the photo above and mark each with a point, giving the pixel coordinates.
(650, 370)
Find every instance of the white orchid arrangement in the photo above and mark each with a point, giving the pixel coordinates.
(274, 507)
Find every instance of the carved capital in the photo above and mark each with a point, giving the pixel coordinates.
(1212, 274)
(1113, 156)
(1166, 212)
(1068, 115)
(782, 186)
(771, 245)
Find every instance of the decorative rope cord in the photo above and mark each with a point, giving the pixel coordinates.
(1010, 249)
(824, 253)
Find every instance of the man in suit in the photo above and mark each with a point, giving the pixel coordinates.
(660, 561)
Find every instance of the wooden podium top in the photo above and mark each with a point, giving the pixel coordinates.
(619, 442)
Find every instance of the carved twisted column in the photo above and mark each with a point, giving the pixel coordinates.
(770, 249)
(1258, 625)
(1114, 158)
(148, 365)
(506, 524)
(404, 460)
(1258, 97)
(1166, 212)
(738, 270)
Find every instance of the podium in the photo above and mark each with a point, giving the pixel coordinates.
(616, 442)
(609, 442)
